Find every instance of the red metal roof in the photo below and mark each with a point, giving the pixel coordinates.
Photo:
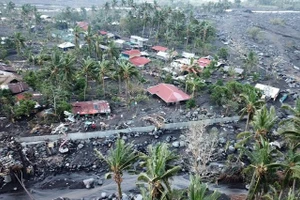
(34, 96)
(132, 52)
(139, 61)
(159, 48)
(103, 32)
(90, 107)
(19, 87)
(203, 62)
(168, 93)
(83, 25)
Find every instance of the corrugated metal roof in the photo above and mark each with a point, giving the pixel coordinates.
(4, 67)
(132, 52)
(159, 48)
(203, 62)
(19, 87)
(139, 61)
(168, 93)
(83, 25)
(91, 107)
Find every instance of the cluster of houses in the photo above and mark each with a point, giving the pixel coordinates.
(139, 53)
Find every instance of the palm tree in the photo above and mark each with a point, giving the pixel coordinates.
(77, 32)
(252, 104)
(19, 42)
(263, 121)
(127, 71)
(87, 70)
(262, 166)
(112, 51)
(119, 158)
(195, 84)
(88, 38)
(251, 60)
(67, 70)
(159, 170)
(98, 40)
(54, 66)
(198, 190)
(103, 69)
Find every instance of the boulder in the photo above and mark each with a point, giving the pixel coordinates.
(80, 146)
(176, 144)
(89, 183)
(103, 195)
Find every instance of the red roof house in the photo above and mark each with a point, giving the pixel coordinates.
(203, 62)
(168, 93)
(131, 53)
(90, 107)
(18, 87)
(139, 61)
(83, 25)
(159, 48)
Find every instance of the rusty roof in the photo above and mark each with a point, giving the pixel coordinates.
(203, 62)
(90, 107)
(132, 52)
(18, 87)
(168, 93)
(159, 48)
(139, 61)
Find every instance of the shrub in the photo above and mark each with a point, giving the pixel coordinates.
(255, 33)
(223, 53)
(277, 21)
(191, 103)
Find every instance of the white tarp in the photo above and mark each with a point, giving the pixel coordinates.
(188, 55)
(66, 45)
(268, 91)
(236, 69)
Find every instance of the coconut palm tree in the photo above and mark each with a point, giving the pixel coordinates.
(263, 168)
(54, 66)
(88, 39)
(112, 51)
(195, 84)
(252, 104)
(103, 69)
(119, 159)
(263, 121)
(77, 32)
(126, 72)
(87, 70)
(251, 60)
(19, 42)
(67, 71)
(98, 40)
(198, 190)
(159, 170)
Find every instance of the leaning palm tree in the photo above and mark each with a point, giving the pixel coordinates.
(88, 39)
(262, 123)
(87, 70)
(252, 104)
(103, 69)
(159, 170)
(119, 159)
(198, 190)
(127, 71)
(19, 42)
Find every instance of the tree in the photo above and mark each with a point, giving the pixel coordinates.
(252, 103)
(19, 42)
(127, 71)
(67, 69)
(198, 190)
(119, 159)
(112, 51)
(223, 53)
(262, 123)
(87, 70)
(200, 147)
(103, 69)
(11, 6)
(24, 108)
(263, 168)
(159, 170)
(195, 84)
(77, 32)
(98, 40)
(88, 38)
(251, 60)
